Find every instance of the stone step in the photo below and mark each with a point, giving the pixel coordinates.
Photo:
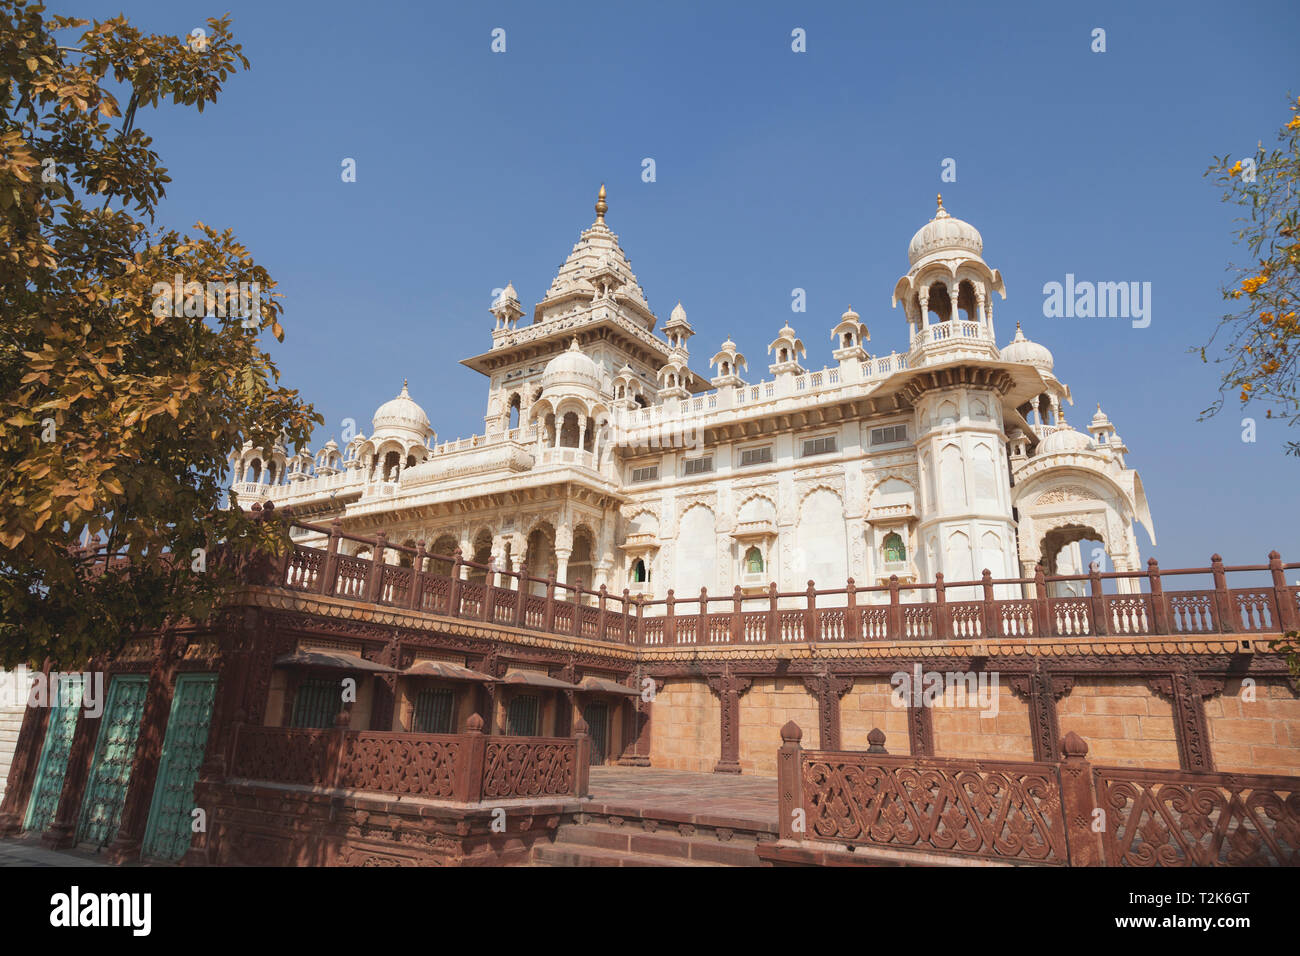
(570, 854)
(663, 843)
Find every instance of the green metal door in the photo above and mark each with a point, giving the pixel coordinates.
(167, 836)
(101, 809)
(53, 765)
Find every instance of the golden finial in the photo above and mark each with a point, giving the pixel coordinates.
(601, 206)
(940, 195)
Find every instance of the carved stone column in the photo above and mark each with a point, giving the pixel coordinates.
(22, 772)
(1187, 693)
(636, 751)
(828, 689)
(920, 731)
(729, 688)
(1042, 690)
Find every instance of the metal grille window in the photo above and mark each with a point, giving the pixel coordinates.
(648, 473)
(521, 719)
(888, 435)
(756, 456)
(699, 466)
(433, 709)
(819, 446)
(317, 703)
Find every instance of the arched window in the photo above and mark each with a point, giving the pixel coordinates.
(514, 411)
(753, 561)
(639, 573)
(895, 550)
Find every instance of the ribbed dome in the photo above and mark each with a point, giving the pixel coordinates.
(944, 233)
(1067, 439)
(678, 314)
(402, 414)
(571, 369)
(1022, 350)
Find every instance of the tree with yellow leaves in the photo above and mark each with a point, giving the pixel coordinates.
(1260, 339)
(118, 405)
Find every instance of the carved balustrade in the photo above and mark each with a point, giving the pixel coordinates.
(1042, 606)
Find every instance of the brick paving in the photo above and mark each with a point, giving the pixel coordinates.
(707, 799)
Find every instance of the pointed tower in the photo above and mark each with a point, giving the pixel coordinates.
(678, 331)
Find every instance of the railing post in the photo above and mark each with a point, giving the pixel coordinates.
(735, 614)
(942, 625)
(1222, 599)
(810, 629)
(1159, 611)
(330, 572)
(485, 612)
(702, 635)
(374, 579)
(548, 616)
(582, 772)
(852, 620)
(521, 593)
(600, 614)
(670, 621)
(628, 630)
(415, 598)
(467, 787)
(789, 774)
(895, 630)
(640, 619)
(1042, 607)
(773, 621)
(453, 593)
(575, 598)
(1287, 617)
(1098, 600)
(338, 741)
(991, 628)
(1079, 802)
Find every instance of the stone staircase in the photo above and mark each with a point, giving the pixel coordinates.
(651, 838)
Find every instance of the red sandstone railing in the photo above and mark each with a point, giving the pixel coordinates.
(1063, 814)
(987, 609)
(464, 768)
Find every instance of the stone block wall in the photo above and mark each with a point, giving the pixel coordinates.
(1123, 721)
(1255, 736)
(764, 710)
(686, 727)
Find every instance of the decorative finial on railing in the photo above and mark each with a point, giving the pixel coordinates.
(790, 733)
(474, 725)
(876, 741)
(1074, 746)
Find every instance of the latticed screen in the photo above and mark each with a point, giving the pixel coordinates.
(317, 703)
(433, 709)
(522, 716)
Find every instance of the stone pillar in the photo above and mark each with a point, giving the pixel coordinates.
(828, 688)
(562, 566)
(923, 298)
(729, 688)
(920, 731)
(1042, 690)
(22, 772)
(1187, 693)
(636, 748)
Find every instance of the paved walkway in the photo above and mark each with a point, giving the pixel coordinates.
(31, 853)
(718, 799)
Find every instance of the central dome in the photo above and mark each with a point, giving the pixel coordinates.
(403, 415)
(571, 369)
(944, 233)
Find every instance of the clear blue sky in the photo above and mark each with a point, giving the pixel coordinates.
(775, 170)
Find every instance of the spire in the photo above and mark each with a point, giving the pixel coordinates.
(404, 393)
(940, 213)
(602, 207)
